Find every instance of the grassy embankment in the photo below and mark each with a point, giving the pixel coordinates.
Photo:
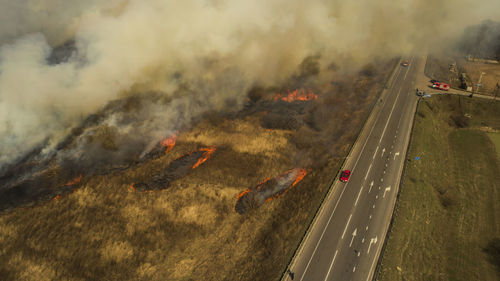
(446, 223)
(495, 138)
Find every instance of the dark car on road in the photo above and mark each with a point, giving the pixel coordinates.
(420, 93)
(344, 177)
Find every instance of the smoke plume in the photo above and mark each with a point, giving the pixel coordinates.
(482, 40)
(199, 55)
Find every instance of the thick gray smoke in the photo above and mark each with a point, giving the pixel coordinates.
(482, 40)
(200, 54)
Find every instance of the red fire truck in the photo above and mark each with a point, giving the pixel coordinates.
(441, 86)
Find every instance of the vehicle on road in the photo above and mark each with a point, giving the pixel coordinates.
(434, 81)
(405, 63)
(344, 177)
(441, 86)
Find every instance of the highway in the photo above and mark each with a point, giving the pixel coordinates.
(346, 237)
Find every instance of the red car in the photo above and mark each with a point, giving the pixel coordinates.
(405, 63)
(344, 177)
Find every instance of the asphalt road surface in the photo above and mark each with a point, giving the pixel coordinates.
(346, 238)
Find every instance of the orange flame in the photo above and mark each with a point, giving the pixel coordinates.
(301, 173)
(242, 194)
(206, 155)
(297, 96)
(169, 143)
(143, 191)
(70, 183)
(261, 184)
(74, 181)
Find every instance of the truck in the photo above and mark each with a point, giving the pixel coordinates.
(441, 86)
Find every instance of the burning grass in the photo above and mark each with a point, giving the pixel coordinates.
(102, 144)
(169, 142)
(177, 169)
(296, 95)
(39, 188)
(268, 190)
(191, 231)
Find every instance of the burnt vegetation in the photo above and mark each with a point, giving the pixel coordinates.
(195, 229)
(93, 148)
(177, 169)
(493, 251)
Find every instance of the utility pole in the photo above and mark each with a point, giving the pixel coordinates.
(478, 85)
(479, 82)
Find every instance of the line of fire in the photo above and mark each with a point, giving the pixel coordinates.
(90, 151)
(177, 169)
(268, 190)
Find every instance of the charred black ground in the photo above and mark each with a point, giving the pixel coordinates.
(93, 148)
(177, 169)
(268, 190)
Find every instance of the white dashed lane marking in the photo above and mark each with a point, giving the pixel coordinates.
(356, 203)
(347, 225)
(369, 168)
(331, 265)
(375, 152)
